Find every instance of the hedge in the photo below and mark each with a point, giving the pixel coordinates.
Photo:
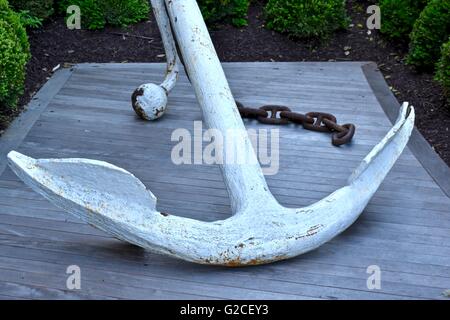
(96, 14)
(306, 18)
(430, 32)
(222, 10)
(443, 69)
(41, 9)
(398, 17)
(14, 55)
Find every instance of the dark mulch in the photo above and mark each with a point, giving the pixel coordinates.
(55, 44)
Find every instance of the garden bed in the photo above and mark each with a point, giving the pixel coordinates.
(56, 45)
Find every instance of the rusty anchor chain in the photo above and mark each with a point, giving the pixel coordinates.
(313, 121)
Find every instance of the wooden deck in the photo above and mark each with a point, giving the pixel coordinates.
(86, 112)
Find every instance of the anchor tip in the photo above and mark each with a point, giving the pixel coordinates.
(18, 158)
(20, 163)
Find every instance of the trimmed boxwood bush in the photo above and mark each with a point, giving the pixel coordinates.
(443, 70)
(95, 14)
(430, 31)
(398, 16)
(306, 18)
(14, 55)
(41, 9)
(222, 10)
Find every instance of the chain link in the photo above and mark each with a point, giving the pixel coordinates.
(314, 121)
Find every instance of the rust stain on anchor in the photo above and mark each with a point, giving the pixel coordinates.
(136, 106)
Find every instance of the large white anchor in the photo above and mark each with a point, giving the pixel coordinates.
(261, 230)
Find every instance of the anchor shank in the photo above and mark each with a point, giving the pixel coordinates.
(245, 183)
(163, 22)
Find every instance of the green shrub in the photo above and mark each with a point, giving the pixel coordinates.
(28, 20)
(306, 18)
(430, 31)
(95, 14)
(14, 55)
(125, 12)
(443, 69)
(41, 9)
(398, 16)
(221, 10)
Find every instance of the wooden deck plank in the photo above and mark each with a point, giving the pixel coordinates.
(405, 228)
(267, 281)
